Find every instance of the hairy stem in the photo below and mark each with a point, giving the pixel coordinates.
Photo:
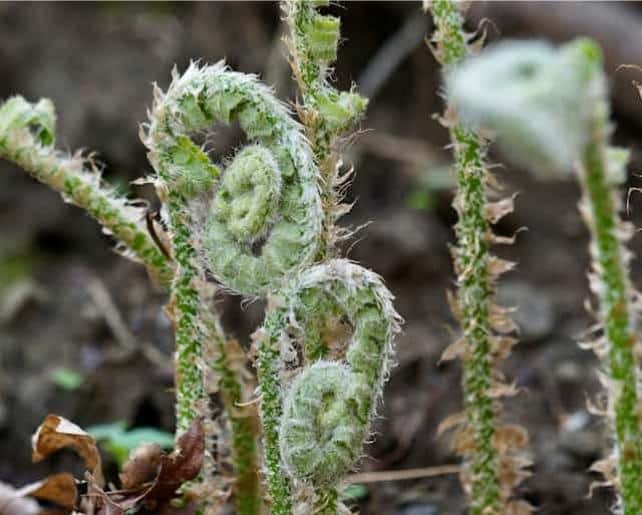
(27, 139)
(474, 294)
(243, 424)
(268, 368)
(326, 113)
(474, 285)
(184, 307)
(617, 317)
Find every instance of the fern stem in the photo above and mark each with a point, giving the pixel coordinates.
(27, 139)
(268, 368)
(474, 294)
(474, 284)
(243, 423)
(617, 317)
(326, 113)
(184, 307)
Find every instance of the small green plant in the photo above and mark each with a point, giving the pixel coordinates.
(492, 468)
(558, 116)
(66, 379)
(119, 441)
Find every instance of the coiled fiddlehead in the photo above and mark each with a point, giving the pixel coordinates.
(267, 194)
(328, 406)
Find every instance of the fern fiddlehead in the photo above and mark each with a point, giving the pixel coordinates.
(266, 195)
(329, 404)
(27, 135)
(314, 42)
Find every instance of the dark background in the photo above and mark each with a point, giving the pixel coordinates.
(97, 62)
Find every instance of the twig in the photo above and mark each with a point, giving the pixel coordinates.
(402, 475)
(103, 301)
(391, 54)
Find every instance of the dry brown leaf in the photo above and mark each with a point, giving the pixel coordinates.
(450, 422)
(513, 471)
(500, 346)
(502, 390)
(59, 489)
(453, 303)
(518, 507)
(500, 320)
(510, 436)
(454, 350)
(464, 441)
(180, 466)
(57, 433)
(605, 466)
(495, 211)
(141, 466)
(498, 266)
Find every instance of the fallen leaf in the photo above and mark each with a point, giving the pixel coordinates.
(165, 474)
(57, 433)
(180, 466)
(142, 465)
(59, 489)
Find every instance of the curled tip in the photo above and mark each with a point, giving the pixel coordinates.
(341, 110)
(321, 435)
(39, 118)
(329, 405)
(267, 192)
(537, 99)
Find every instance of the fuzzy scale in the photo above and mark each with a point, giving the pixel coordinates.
(27, 134)
(268, 192)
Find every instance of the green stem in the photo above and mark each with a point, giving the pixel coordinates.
(69, 177)
(616, 314)
(184, 308)
(326, 113)
(474, 294)
(269, 359)
(243, 424)
(474, 284)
